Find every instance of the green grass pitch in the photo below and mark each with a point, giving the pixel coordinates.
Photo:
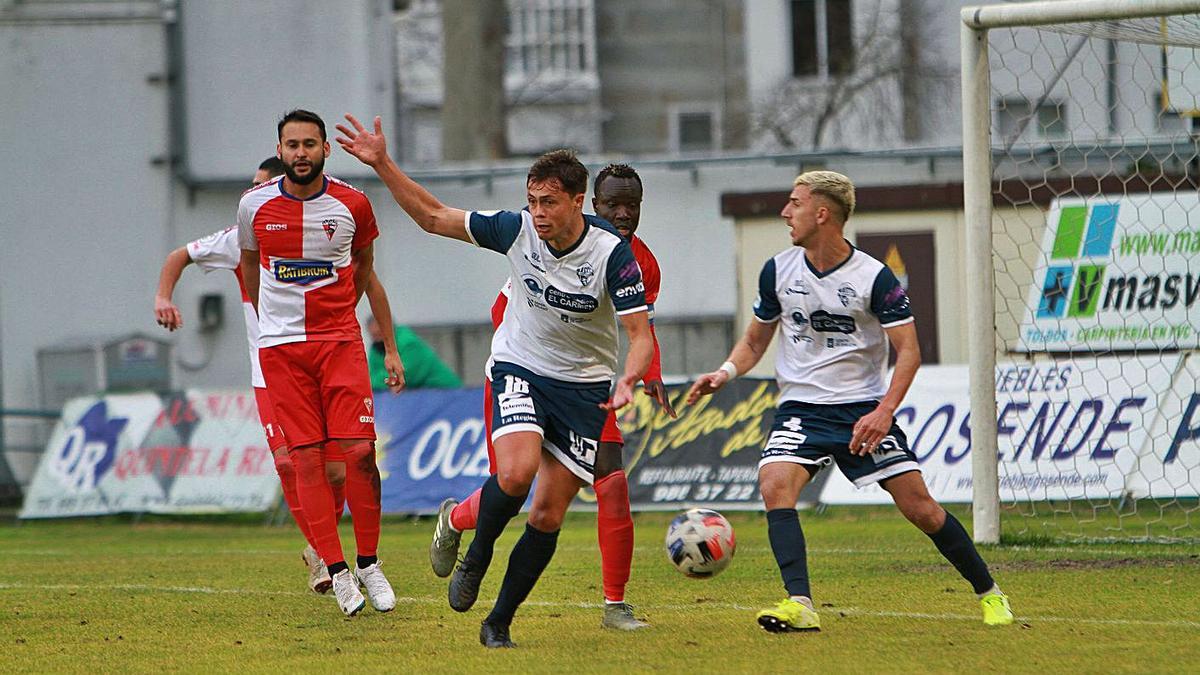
(223, 595)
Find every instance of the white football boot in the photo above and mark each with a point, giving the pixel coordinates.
(378, 588)
(318, 574)
(345, 589)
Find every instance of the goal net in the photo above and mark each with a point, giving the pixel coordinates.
(1082, 170)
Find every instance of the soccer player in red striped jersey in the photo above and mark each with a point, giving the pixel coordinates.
(617, 197)
(307, 257)
(219, 251)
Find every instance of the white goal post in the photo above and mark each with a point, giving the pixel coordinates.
(977, 109)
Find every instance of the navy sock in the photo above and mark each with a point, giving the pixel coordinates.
(496, 508)
(955, 544)
(337, 567)
(365, 561)
(787, 543)
(525, 565)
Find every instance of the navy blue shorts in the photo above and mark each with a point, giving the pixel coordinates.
(818, 435)
(567, 414)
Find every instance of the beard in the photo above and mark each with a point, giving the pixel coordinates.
(315, 169)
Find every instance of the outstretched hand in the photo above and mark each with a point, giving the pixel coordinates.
(622, 396)
(369, 147)
(656, 391)
(706, 384)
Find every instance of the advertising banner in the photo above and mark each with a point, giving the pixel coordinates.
(186, 452)
(430, 446)
(1084, 428)
(1116, 273)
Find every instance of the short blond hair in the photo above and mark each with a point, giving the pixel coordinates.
(831, 185)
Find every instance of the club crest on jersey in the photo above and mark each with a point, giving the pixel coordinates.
(302, 272)
(330, 226)
(369, 418)
(586, 273)
(846, 293)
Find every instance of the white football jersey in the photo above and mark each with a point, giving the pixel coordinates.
(832, 347)
(561, 319)
(220, 251)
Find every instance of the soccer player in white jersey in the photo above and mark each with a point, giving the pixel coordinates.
(553, 359)
(838, 308)
(307, 257)
(219, 251)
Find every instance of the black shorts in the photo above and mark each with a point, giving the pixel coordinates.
(818, 435)
(567, 414)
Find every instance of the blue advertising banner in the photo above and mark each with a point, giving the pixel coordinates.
(430, 446)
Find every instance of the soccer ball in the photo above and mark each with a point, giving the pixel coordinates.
(700, 543)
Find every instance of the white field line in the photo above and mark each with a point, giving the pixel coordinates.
(1139, 552)
(849, 611)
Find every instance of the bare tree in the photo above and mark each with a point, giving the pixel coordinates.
(882, 92)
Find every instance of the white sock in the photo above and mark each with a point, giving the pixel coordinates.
(995, 589)
(613, 602)
(804, 600)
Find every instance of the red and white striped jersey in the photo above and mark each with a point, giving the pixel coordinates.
(219, 251)
(306, 285)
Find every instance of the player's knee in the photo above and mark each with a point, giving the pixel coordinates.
(925, 513)
(515, 480)
(284, 466)
(360, 455)
(545, 518)
(608, 459)
(335, 473)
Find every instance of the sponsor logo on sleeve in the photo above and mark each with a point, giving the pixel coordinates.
(302, 272)
(630, 291)
(275, 227)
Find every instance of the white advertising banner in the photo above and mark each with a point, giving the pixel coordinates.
(190, 452)
(1070, 429)
(1116, 273)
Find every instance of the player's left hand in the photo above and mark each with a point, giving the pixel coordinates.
(658, 392)
(870, 430)
(369, 148)
(395, 372)
(622, 396)
(167, 314)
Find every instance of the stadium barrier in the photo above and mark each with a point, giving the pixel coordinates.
(203, 451)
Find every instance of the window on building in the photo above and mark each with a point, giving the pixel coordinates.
(695, 128)
(1017, 118)
(550, 39)
(822, 37)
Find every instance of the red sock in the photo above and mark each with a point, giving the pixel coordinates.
(614, 525)
(339, 500)
(464, 516)
(362, 493)
(287, 477)
(312, 489)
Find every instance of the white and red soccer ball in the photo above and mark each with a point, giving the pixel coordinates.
(700, 543)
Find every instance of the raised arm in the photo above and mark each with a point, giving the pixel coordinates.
(745, 355)
(430, 214)
(381, 309)
(165, 311)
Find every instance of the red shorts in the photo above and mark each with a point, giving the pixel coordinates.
(610, 434)
(320, 390)
(266, 415)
